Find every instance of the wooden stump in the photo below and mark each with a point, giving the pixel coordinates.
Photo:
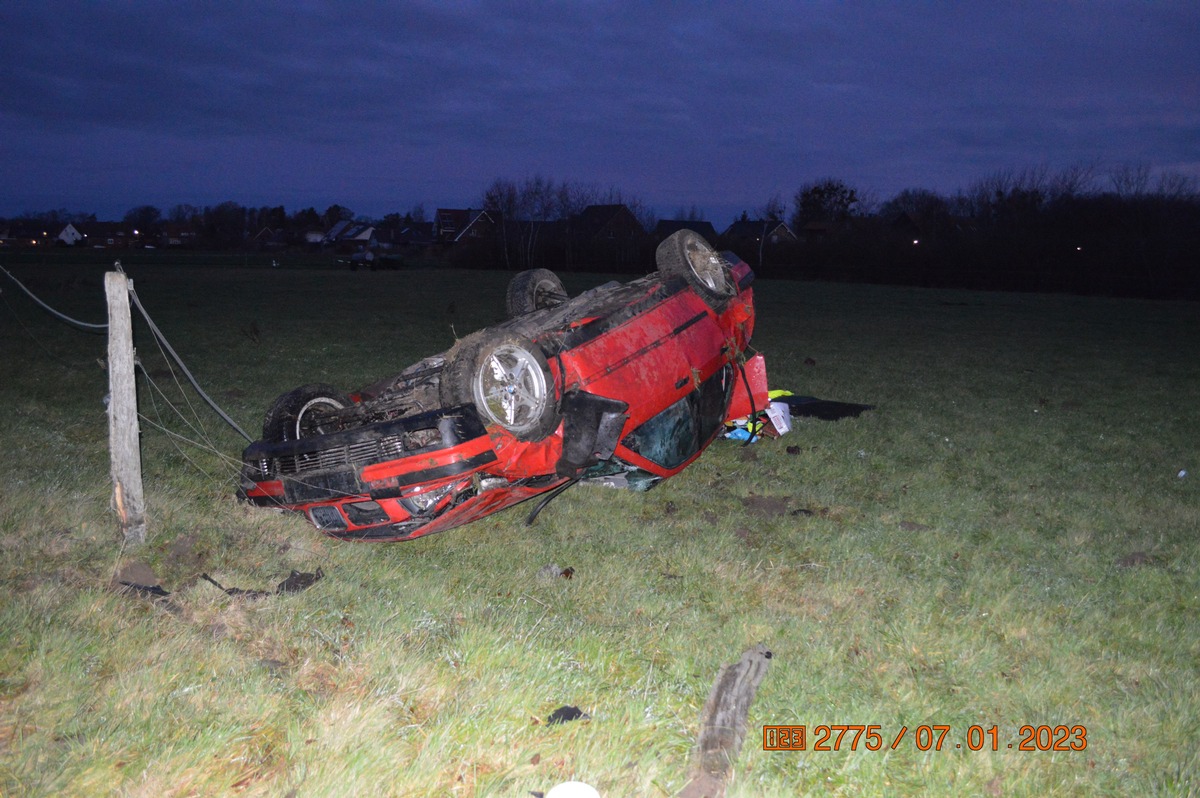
(723, 723)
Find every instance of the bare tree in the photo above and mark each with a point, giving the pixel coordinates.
(646, 216)
(502, 201)
(1073, 181)
(336, 213)
(1130, 179)
(524, 209)
(1177, 186)
(572, 198)
(692, 214)
(828, 200)
(774, 209)
(183, 213)
(918, 202)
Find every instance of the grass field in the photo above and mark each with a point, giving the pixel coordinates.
(1006, 540)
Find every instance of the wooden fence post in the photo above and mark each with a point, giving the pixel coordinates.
(123, 443)
(723, 723)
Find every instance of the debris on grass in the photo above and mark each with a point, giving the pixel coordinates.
(236, 592)
(740, 434)
(298, 581)
(823, 409)
(138, 579)
(145, 591)
(573, 789)
(774, 420)
(567, 713)
(551, 572)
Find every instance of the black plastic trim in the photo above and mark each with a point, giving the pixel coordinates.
(429, 474)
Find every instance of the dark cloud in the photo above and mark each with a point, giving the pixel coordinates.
(379, 106)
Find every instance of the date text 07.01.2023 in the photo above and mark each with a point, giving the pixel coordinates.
(849, 737)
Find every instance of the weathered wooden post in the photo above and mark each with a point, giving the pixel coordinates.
(723, 723)
(123, 443)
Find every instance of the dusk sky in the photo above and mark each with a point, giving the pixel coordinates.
(377, 107)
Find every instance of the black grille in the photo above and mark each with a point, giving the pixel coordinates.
(351, 454)
(349, 450)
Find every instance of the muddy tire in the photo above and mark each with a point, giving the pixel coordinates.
(686, 254)
(298, 413)
(508, 381)
(534, 290)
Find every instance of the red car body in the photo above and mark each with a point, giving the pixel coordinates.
(634, 380)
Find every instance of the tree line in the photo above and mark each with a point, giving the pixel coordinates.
(1131, 231)
(1128, 233)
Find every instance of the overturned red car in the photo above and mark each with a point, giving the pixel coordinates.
(625, 384)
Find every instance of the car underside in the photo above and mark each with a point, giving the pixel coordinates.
(623, 385)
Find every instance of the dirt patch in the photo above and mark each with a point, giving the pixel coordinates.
(748, 536)
(767, 506)
(184, 552)
(137, 573)
(1138, 559)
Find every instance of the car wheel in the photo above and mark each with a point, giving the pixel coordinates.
(534, 290)
(299, 413)
(686, 254)
(508, 380)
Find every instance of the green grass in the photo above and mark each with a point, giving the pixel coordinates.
(1003, 541)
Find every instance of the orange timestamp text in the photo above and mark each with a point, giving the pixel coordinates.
(933, 737)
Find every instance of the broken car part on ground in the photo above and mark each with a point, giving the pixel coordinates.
(625, 384)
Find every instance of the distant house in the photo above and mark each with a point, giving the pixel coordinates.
(403, 234)
(817, 230)
(754, 240)
(749, 236)
(668, 227)
(20, 233)
(351, 232)
(178, 234)
(453, 225)
(70, 236)
(606, 236)
(269, 238)
(607, 223)
(772, 231)
(909, 225)
(105, 235)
